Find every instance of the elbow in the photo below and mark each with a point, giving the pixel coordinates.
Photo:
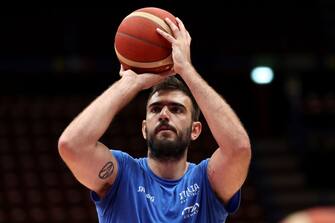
(245, 143)
(244, 148)
(62, 145)
(70, 149)
(241, 148)
(65, 150)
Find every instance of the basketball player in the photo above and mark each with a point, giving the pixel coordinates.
(164, 186)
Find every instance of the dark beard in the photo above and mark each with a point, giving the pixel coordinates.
(167, 150)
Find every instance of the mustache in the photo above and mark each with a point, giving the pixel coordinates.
(163, 125)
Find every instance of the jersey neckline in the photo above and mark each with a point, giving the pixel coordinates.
(164, 181)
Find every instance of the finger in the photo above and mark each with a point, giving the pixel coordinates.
(189, 38)
(173, 27)
(121, 70)
(182, 28)
(154, 78)
(181, 25)
(166, 35)
(170, 72)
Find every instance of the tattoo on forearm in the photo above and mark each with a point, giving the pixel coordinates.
(107, 170)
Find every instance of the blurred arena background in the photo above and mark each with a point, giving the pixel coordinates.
(55, 60)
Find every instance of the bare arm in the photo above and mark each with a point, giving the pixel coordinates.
(90, 161)
(228, 166)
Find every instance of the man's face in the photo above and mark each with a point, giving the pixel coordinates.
(168, 124)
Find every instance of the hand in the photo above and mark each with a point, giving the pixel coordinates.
(181, 42)
(145, 80)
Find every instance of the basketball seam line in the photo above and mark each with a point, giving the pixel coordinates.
(153, 18)
(144, 40)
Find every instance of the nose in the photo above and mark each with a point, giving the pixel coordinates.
(163, 115)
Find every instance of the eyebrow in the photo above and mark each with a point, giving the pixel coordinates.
(167, 103)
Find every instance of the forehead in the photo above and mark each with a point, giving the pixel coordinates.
(170, 97)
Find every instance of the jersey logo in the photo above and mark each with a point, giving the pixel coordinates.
(141, 189)
(189, 192)
(190, 211)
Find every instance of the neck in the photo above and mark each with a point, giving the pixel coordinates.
(168, 169)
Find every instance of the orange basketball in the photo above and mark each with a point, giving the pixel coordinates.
(137, 44)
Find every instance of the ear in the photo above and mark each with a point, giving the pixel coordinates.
(196, 130)
(144, 129)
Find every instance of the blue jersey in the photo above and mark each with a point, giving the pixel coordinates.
(138, 195)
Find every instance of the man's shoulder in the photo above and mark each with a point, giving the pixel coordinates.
(125, 159)
(197, 168)
(201, 164)
(118, 153)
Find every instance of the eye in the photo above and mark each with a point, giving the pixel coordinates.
(176, 109)
(155, 109)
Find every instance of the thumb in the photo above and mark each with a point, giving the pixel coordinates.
(167, 73)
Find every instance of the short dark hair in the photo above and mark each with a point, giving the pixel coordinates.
(174, 83)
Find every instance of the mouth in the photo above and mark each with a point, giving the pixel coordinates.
(164, 128)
